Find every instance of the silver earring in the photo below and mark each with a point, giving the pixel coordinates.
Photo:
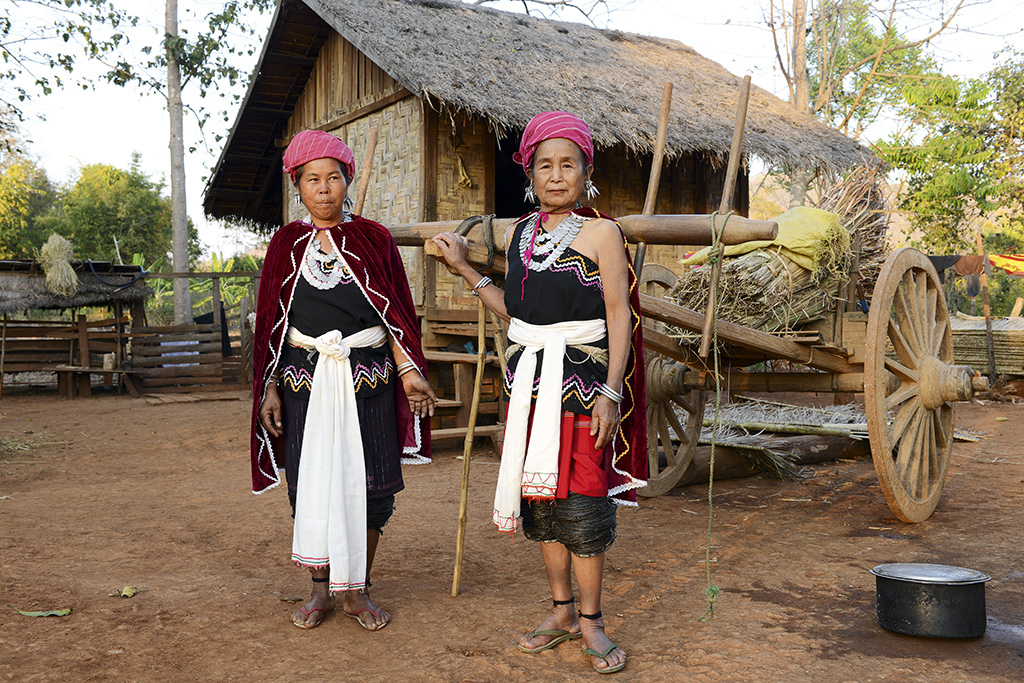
(590, 190)
(530, 197)
(298, 200)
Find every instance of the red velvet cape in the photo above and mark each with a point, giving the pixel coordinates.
(631, 441)
(372, 255)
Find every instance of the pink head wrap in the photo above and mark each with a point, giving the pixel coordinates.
(553, 124)
(310, 145)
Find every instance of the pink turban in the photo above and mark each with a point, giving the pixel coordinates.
(553, 124)
(310, 145)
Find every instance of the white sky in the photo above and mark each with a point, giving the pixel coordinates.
(109, 124)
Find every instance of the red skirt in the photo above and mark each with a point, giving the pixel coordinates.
(582, 468)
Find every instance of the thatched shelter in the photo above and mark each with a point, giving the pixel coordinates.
(23, 286)
(449, 86)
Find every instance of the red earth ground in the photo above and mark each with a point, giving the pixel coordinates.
(100, 493)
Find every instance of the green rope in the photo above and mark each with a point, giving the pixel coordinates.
(710, 589)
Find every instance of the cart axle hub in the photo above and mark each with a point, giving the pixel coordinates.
(942, 383)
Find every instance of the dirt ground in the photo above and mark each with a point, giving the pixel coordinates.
(100, 493)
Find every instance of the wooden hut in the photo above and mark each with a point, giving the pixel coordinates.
(450, 86)
(76, 348)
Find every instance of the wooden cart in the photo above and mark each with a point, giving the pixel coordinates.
(899, 354)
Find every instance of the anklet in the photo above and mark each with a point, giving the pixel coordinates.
(325, 580)
(556, 603)
(592, 617)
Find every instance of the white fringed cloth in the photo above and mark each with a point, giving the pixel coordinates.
(531, 470)
(330, 509)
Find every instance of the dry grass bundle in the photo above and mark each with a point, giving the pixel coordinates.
(762, 290)
(56, 259)
(859, 200)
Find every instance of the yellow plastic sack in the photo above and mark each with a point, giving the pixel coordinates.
(812, 238)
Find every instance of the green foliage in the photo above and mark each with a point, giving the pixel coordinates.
(108, 203)
(26, 196)
(44, 39)
(961, 153)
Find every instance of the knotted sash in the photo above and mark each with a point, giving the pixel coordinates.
(330, 510)
(531, 470)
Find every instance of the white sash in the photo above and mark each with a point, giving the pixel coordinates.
(330, 509)
(532, 470)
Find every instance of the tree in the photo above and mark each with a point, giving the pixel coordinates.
(43, 39)
(109, 211)
(26, 195)
(842, 59)
(551, 8)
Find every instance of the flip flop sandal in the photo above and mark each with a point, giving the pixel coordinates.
(375, 613)
(604, 655)
(560, 636)
(307, 612)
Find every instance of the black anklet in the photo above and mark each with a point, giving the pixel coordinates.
(316, 580)
(592, 617)
(556, 603)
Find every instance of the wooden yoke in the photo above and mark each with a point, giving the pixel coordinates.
(658, 229)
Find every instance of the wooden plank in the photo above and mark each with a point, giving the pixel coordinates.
(192, 359)
(755, 340)
(455, 357)
(460, 432)
(148, 382)
(170, 351)
(180, 371)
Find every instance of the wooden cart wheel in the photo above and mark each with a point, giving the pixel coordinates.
(674, 415)
(910, 384)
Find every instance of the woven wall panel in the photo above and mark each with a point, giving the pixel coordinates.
(466, 140)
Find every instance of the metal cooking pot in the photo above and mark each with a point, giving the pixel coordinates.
(933, 600)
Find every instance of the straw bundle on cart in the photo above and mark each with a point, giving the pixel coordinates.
(777, 286)
(859, 199)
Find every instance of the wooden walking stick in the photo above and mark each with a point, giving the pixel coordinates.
(655, 178)
(364, 179)
(467, 448)
(728, 190)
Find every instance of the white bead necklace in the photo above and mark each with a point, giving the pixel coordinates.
(548, 245)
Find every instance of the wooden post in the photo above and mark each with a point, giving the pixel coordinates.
(655, 178)
(84, 383)
(468, 448)
(3, 353)
(1017, 306)
(727, 200)
(988, 313)
(364, 180)
(215, 302)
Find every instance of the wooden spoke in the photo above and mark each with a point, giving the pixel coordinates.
(673, 422)
(929, 319)
(901, 345)
(941, 434)
(905, 418)
(901, 396)
(938, 337)
(683, 403)
(909, 462)
(666, 440)
(903, 372)
(905, 319)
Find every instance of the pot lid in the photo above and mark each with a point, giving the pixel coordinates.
(930, 573)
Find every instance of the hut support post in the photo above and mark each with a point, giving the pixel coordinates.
(364, 180)
(655, 179)
(468, 448)
(3, 353)
(728, 190)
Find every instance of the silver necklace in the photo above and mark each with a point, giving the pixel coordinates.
(549, 246)
(323, 271)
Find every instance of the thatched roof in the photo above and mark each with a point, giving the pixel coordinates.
(23, 286)
(505, 67)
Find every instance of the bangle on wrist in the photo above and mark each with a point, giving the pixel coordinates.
(608, 392)
(484, 281)
(405, 367)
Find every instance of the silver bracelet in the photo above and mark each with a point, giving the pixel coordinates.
(607, 391)
(484, 281)
(405, 367)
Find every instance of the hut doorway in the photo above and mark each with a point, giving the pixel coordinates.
(509, 184)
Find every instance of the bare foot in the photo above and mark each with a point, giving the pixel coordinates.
(594, 639)
(357, 604)
(561, 618)
(313, 612)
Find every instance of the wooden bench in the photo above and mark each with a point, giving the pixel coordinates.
(74, 380)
